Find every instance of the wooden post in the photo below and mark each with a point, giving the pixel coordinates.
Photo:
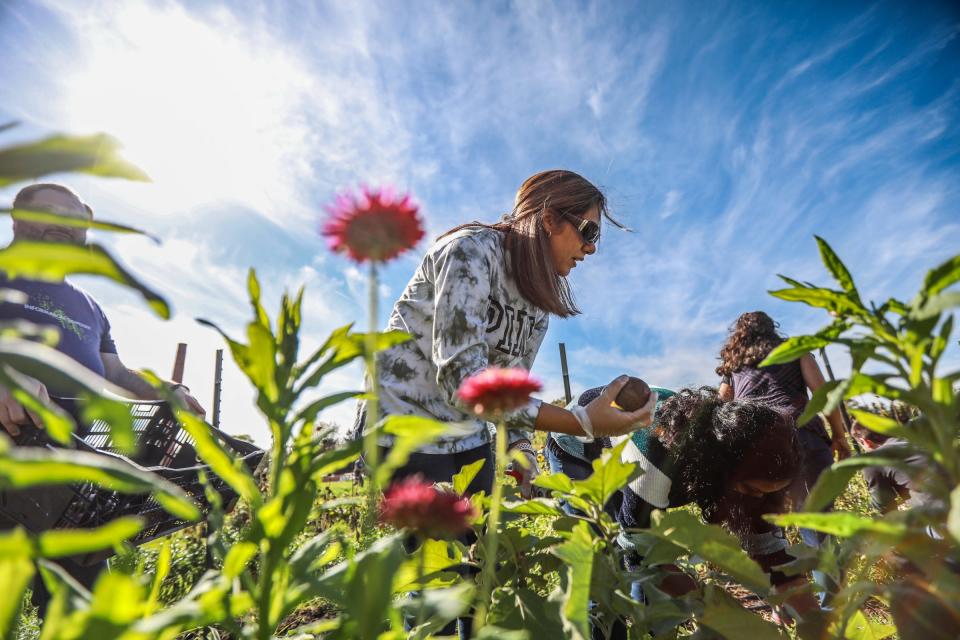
(217, 380)
(179, 363)
(566, 373)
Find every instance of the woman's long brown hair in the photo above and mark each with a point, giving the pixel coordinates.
(752, 337)
(556, 192)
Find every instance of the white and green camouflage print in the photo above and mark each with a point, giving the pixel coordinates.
(465, 314)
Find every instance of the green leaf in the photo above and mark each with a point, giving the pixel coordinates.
(52, 262)
(878, 423)
(489, 632)
(60, 543)
(440, 607)
(935, 305)
(792, 348)
(953, 518)
(52, 367)
(334, 338)
(61, 220)
(821, 298)
(941, 277)
(179, 506)
(117, 415)
(577, 553)
(839, 523)
(15, 543)
(610, 474)
(535, 507)
(117, 602)
(438, 556)
(161, 572)
(259, 313)
(410, 433)
(836, 268)
(834, 480)
(343, 347)
(97, 155)
(724, 615)
(261, 363)
(230, 469)
(16, 574)
(367, 595)
(830, 484)
(712, 543)
(793, 283)
(465, 476)
(555, 482)
(312, 410)
(238, 558)
(330, 461)
(526, 609)
(29, 466)
(860, 627)
(821, 397)
(939, 344)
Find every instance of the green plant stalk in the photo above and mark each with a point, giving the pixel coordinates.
(493, 527)
(371, 453)
(421, 609)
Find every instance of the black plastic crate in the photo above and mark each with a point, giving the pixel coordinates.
(164, 448)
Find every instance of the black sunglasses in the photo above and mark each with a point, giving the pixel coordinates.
(588, 229)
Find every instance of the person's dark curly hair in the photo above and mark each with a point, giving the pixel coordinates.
(714, 443)
(752, 337)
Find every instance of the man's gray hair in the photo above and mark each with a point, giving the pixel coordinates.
(26, 195)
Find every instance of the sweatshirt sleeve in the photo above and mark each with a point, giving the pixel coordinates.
(462, 280)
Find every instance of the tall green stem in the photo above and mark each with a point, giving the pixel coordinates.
(421, 564)
(371, 453)
(493, 529)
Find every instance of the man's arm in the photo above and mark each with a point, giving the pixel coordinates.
(119, 374)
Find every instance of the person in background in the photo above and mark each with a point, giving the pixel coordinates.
(891, 486)
(732, 459)
(82, 325)
(783, 387)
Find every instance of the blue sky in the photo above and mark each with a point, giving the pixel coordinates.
(725, 134)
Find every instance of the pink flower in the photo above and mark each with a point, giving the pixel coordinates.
(372, 225)
(418, 506)
(496, 390)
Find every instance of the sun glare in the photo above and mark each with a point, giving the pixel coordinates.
(208, 109)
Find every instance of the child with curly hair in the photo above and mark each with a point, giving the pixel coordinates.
(733, 459)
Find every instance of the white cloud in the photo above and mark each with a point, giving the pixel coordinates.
(670, 203)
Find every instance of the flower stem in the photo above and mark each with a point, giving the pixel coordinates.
(421, 609)
(371, 453)
(493, 528)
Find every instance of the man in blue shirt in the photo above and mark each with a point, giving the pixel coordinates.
(83, 328)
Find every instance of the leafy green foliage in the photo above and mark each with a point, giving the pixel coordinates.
(97, 155)
(711, 543)
(52, 262)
